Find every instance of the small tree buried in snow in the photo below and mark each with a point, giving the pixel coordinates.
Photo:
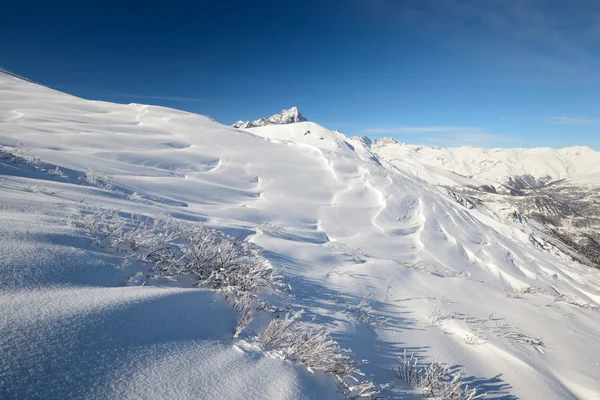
(313, 348)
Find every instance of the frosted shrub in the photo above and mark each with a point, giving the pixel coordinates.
(313, 348)
(246, 306)
(362, 312)
(135, 196)
(435, 380)
(57, 172)
(437, 315)
(576, 301)
(408, 369)
(175, 249)
(454, 390)
(216, 261)
(433, 377)
(310, 346)
(94, 178)
(17, 155)
(472, 339)
(135, 235)
(524, 339)
(360, 390)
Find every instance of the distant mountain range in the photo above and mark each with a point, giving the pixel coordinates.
(556, 190)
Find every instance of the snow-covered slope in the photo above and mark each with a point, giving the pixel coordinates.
(343, 224)
(284, 117)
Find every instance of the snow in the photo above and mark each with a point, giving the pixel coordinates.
(341, 221)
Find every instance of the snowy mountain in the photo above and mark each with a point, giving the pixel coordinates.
(107, 212)
(557, 188)
(284, 117)
(499, 165)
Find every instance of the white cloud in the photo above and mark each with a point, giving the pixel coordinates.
(574, 120)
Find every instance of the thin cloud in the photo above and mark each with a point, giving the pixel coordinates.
(574, 120)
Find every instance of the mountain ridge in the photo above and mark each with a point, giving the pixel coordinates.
(286, 116)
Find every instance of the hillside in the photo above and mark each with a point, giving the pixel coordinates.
(381, 258)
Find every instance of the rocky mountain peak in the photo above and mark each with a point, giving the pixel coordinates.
(289, 116)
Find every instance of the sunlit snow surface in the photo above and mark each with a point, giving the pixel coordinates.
(342, 224)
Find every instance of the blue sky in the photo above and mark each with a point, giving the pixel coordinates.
(492, 73)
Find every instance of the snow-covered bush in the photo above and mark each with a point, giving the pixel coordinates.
(524, 339)
(57, 172)
(363, 313)
(246, 305)
(408, 369)
(17, 155)
(216, 261)
(472, 339)
(457, 390)
(94, 178)
(313, 348)
(307, 344)
(135, 196)
(437, 315)
(360, 390)
(576, 301)
(435, 380)
(135, 235)
(272, 229)
(176, 249)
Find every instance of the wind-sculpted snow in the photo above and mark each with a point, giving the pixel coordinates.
(381, 258)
